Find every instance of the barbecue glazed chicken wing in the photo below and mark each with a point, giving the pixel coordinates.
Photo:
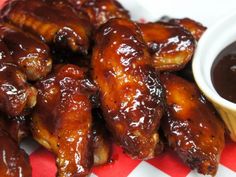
(17, 127)
(195, 28)
(170, 46)
(53, 21)
(62, 119)
(100, 11)
(102, 145)
(16, 95)
(14, 162)
(30, 54)
(130, 91)
(191, 126)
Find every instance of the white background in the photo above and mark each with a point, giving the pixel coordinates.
(205, 11)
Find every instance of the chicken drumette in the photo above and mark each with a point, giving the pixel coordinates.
(191, 125)
(53, 21)
(130, 91)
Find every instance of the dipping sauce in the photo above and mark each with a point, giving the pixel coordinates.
(223, 73)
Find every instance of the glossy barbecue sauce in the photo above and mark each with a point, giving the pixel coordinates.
(223, 73)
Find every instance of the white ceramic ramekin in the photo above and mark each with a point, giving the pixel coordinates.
(213, 41)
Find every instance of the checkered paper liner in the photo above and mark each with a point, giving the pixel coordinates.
(165, 165)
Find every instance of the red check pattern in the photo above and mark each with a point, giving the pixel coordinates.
(167, 164)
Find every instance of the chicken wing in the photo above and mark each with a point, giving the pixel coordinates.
(191, 125)
(17, 127)
(170, 46)
(14, 162)
(130, 92)
(31, 55)
(195, 28)
(54, 21)
(16, 95)
(102, 147)
(100, 11)
(62, 119)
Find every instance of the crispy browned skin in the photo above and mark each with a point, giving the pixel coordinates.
(62, 119)
(130, 91)
(16, 95)
(17, 127)
(102, 145)
(192, 127)
(170, 46)
(31, 55)
(54, 21)
(194, 27)
(14, 162)
(100, 11)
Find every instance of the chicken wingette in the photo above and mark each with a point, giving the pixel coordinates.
(130, 91)
(53, 21)
(191, 125)
(62, 119)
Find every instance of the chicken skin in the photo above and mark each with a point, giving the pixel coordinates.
(195, 28)
(100, 11)
(16, 95)
(102, 145)
(14, 162)
(17, 127)
(170, 46)
(53, 21)
(30, 54)
(191, 125)
(130, 91)
(62, 119)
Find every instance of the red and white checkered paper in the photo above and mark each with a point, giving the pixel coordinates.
(166, 164)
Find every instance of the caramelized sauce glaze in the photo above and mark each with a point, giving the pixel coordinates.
(130, 91)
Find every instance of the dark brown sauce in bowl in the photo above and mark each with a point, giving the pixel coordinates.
(223, 73)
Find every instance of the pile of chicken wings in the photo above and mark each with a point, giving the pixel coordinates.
(79, 75)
